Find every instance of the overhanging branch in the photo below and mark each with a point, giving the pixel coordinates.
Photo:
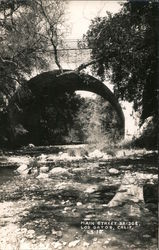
(85, 65)
(8, 61)
(81, 67)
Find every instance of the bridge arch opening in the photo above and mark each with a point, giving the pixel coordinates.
(96, 121)
(42, 90)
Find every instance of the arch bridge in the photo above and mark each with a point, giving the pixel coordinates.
(46, 86)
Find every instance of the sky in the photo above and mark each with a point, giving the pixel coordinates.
(81, 12)
(79, 16)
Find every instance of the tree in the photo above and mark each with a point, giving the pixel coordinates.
(95, 121)
(51, 18)
(28, 28)
(19, 45)
(124, 49)
(50, 119)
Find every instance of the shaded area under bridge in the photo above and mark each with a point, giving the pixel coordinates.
(48, 85)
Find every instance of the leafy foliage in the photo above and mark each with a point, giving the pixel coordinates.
(95, 121)
(127, 48)
(28, 29)
(50, 123)
(69, 118)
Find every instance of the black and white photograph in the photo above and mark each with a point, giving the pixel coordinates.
(79, 124)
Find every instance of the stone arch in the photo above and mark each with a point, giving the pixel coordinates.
(48, 85)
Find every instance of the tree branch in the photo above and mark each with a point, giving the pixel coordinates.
(79, 68)
(56, 57)
(52, 35)
(8, 61)
(85, 65)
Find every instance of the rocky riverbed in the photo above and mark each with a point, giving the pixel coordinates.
(67, 198)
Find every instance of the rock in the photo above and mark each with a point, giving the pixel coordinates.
(22, 168)
(88, 217)
(53, 231)
(79, 204)
(76, 170)
(44, 169)
(67, 208)
(147, 125)
(19, 160)
(90, 206)
(58, 245)
(113, 171)
(24, 230)
(64, 243)
(147, 135)
(58, 171)
(42, 176)
(41, 158)
(96, 153)
(91, 189)
(30, 234)
(31, 231)
(31, 145)
(64, 156)
(41, 238)
(95, 239)
(86, 244)
(131, 189)
(57, 233)
(106, 242)
(73, 243)
(126, 167)
(132, 246)
(60, 186)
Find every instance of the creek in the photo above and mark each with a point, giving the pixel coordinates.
(44, 202)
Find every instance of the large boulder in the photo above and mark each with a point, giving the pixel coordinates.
(148, 134)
